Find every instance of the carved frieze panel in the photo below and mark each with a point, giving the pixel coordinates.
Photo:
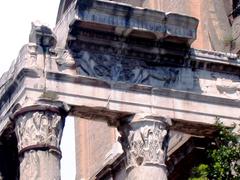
(119, 68)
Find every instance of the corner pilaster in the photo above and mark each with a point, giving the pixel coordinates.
(145, 142)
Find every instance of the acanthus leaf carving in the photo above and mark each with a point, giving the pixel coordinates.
(39, 128)
(39, 134)
(145, 143)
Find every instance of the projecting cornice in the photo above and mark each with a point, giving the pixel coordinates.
(126, 20)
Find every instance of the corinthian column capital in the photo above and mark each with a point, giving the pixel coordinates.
(39, 131)
(145, 142)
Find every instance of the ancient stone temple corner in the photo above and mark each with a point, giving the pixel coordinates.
(145, 80)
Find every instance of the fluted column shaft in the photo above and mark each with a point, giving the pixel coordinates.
(145, 143)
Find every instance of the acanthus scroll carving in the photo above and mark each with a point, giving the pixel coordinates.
(145, 143)
(42, 128)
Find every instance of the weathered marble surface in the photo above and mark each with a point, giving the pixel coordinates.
(235, 38)
(124, 19)
(115, 162)
(123, 69)
(39, 136)
(129, 17)
(118, 71)
(140, 61)
(38, 164)
(145, 141)
(43, 129)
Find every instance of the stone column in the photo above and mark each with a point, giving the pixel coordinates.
(145, 142)
(39, 132)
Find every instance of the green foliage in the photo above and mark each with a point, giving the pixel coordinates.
(223, 158)
(200, 172)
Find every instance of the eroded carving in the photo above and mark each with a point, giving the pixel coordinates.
(145, 143)
(64, 59)
(39, 134)
(39, 128)
(228, 87)
(42, 35)
(119, 68)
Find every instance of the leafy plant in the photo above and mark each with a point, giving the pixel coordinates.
(223, 158)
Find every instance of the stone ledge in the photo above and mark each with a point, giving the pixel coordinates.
(127, 20)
